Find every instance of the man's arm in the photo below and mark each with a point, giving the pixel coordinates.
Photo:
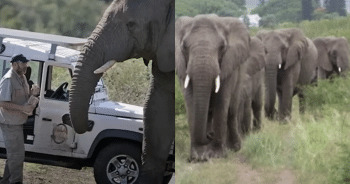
(13, 106)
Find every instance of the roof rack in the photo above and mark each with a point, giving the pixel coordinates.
(54, 40)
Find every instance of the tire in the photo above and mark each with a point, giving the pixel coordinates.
(110, 166)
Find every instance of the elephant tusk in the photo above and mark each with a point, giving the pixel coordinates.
(105, 67)
(187, 80)
(279, 66)
(217, 84)
(339, 69)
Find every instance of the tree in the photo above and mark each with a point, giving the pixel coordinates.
(75, 18)
(341, 8)
(268, 21)
(240, 3)
(306, 9)
(261, 2)
(246, 20)
(195, 7)
(284, 10)
(336, 6)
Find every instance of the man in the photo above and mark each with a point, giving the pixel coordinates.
(14, 95)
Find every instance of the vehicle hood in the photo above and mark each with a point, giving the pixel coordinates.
(117, 109)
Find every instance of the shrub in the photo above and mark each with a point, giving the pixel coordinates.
(268, 21)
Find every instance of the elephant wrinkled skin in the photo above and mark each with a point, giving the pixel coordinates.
(209, 52)
(290, 63)
(252, 90)
(333, 56)
(133, 29)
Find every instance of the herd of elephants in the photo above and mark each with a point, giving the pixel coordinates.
(227, 76)
(220, 67)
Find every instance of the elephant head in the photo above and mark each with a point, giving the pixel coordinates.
(333, 54)
(128, 29)
(284, 48)
(208, 49)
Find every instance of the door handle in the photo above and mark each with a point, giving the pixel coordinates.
(47, 119)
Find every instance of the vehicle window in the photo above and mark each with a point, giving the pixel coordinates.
(4, 67)
(35, 73)
(59, 76)
(58, 84)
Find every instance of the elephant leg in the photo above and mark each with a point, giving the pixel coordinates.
(210, 131)
(247, 116)
(233, 125)
(289, 81)
(302, 104)
(279, 95)
(233, 135)
(217, 147)
(159, 125)
(257, 108)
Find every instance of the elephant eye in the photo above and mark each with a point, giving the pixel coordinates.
(335, 53)
(131, 25)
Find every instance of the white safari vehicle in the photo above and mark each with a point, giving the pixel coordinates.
(115, 138)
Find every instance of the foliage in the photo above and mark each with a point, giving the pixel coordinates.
(336, 6)
(75, 18)
(219, 7)
(321, 13)
(284, 10)
(337, 90)
(306, 9)
(240, 3)
(268, 21)
(128, 82)
(246, 20)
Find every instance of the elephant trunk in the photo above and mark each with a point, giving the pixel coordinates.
(271, 87)
(83, 87)
(96, 52)
(203, 86)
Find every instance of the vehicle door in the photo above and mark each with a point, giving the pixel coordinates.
(54, 133)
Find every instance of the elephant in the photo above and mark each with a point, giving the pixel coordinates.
(252, 90)
(133, 29)
(333, 56)
(209, 54)
(291, 59)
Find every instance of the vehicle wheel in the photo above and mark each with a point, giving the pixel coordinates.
(167, 179)
(118, 163)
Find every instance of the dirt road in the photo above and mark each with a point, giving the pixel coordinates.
(43, 174)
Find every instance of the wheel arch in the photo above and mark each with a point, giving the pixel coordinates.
(108, 136)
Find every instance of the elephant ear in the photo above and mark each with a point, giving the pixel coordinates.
(165, 52)
(237, 48)
(298, 45)
(256, 62)
(182, 24)
(261, 34)
(322, 58)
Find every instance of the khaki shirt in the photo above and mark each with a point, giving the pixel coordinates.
(15, 89)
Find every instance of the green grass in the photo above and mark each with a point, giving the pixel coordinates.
(128, 82)
(314, 147)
